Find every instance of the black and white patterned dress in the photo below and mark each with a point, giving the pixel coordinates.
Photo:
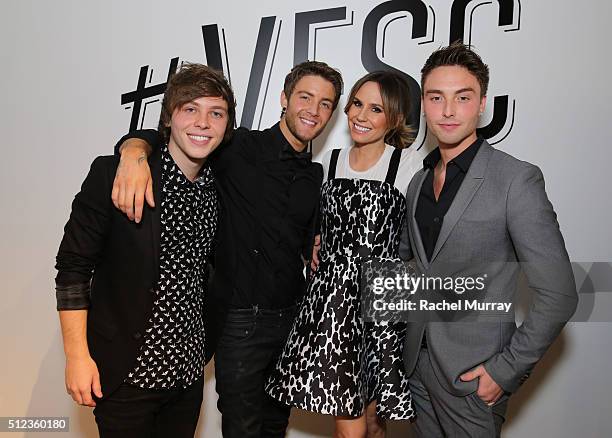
(333, 363)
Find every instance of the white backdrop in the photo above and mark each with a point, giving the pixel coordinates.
(65, 65)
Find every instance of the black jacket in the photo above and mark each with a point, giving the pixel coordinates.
(101, 247)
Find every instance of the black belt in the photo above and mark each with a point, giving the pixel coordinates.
(256, 310)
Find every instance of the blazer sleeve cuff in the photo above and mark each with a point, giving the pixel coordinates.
(504, 373)
(73, 296)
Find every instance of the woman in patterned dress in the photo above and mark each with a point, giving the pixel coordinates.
(333, 363)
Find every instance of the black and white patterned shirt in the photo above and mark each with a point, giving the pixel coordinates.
(172, 353)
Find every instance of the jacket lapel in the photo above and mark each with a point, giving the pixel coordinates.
(155, 166)
(469, 187)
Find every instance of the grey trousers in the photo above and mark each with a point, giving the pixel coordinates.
(441, 414)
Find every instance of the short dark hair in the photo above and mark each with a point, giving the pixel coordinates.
(314, 68)
(191, 82)
(395, 94)
(462, 55)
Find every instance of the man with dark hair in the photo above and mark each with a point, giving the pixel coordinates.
(130, 296)
(269, 190)
(473, 207)
(457, 54)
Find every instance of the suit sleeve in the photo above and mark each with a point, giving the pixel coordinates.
(540, 249)
(151, 136)
(84, 236)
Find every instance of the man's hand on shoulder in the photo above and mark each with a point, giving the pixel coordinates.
(133, 183)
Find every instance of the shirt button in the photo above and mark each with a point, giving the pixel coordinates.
(436, 220)
(137, 336)
(256, 252)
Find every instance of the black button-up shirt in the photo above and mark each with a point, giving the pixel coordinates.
(270, 196)
(429, 212)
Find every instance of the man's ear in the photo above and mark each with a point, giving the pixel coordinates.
(483, 104)
(283, 99)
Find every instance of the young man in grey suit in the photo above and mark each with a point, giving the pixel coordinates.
(472, 206)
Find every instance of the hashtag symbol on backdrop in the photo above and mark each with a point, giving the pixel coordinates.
(144, 91)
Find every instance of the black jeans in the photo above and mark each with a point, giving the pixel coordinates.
(249, 346)
(132, 412)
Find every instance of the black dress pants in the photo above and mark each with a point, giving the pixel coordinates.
(249, 346)
(132, 412)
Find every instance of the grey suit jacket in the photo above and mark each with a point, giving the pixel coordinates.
(500, 214)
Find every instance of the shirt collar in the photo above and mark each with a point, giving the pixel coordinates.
(462, 161)
(286, 151)
(174, 174)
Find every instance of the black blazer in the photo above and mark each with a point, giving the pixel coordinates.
(121, 258)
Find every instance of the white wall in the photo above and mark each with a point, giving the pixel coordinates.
(66, 63)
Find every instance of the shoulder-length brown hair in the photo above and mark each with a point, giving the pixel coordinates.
(395, 95)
